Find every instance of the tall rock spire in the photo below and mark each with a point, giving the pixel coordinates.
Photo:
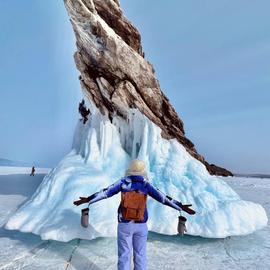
(114, 73)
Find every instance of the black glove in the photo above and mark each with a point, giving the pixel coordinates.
(185, 207)
(81, 201)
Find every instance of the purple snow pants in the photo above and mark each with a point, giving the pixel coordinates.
(132, 236)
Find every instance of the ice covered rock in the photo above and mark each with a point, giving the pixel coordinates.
(114, 73)
(100, 155)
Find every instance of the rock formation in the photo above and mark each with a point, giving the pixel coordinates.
(115, 76)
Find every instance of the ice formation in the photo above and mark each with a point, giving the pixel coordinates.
(100, 155)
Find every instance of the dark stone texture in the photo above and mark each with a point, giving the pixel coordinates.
(114, 73)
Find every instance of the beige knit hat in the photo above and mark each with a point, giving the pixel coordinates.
(136, 167)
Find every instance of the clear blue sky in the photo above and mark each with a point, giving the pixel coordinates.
(212, 59)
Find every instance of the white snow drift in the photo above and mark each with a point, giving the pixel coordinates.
(100, 154)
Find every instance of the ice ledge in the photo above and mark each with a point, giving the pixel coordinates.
(101, 152)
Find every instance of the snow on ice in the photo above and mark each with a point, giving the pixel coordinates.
(100, 155)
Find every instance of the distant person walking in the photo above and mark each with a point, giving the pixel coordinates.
(83, 111)
(132, 213)
(33, 171)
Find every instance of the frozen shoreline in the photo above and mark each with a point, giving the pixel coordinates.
(252, 175)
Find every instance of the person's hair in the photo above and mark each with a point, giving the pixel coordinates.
(136, 167)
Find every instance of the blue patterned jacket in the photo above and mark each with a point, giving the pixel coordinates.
(130, 183)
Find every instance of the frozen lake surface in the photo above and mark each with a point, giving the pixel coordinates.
(28, 251)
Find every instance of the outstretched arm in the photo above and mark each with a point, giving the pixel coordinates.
(159, 196)
(102, 194)
(156, 194)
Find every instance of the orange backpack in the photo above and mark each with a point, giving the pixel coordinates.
(133, 204)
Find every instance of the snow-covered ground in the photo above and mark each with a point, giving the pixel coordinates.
(6, 170)
(27, 251)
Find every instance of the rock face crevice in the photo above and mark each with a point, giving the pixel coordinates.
(114, 73)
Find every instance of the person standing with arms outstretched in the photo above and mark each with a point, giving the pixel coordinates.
(132, 213)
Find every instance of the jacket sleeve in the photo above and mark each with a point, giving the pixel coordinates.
(156, 194)
(106, 192)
